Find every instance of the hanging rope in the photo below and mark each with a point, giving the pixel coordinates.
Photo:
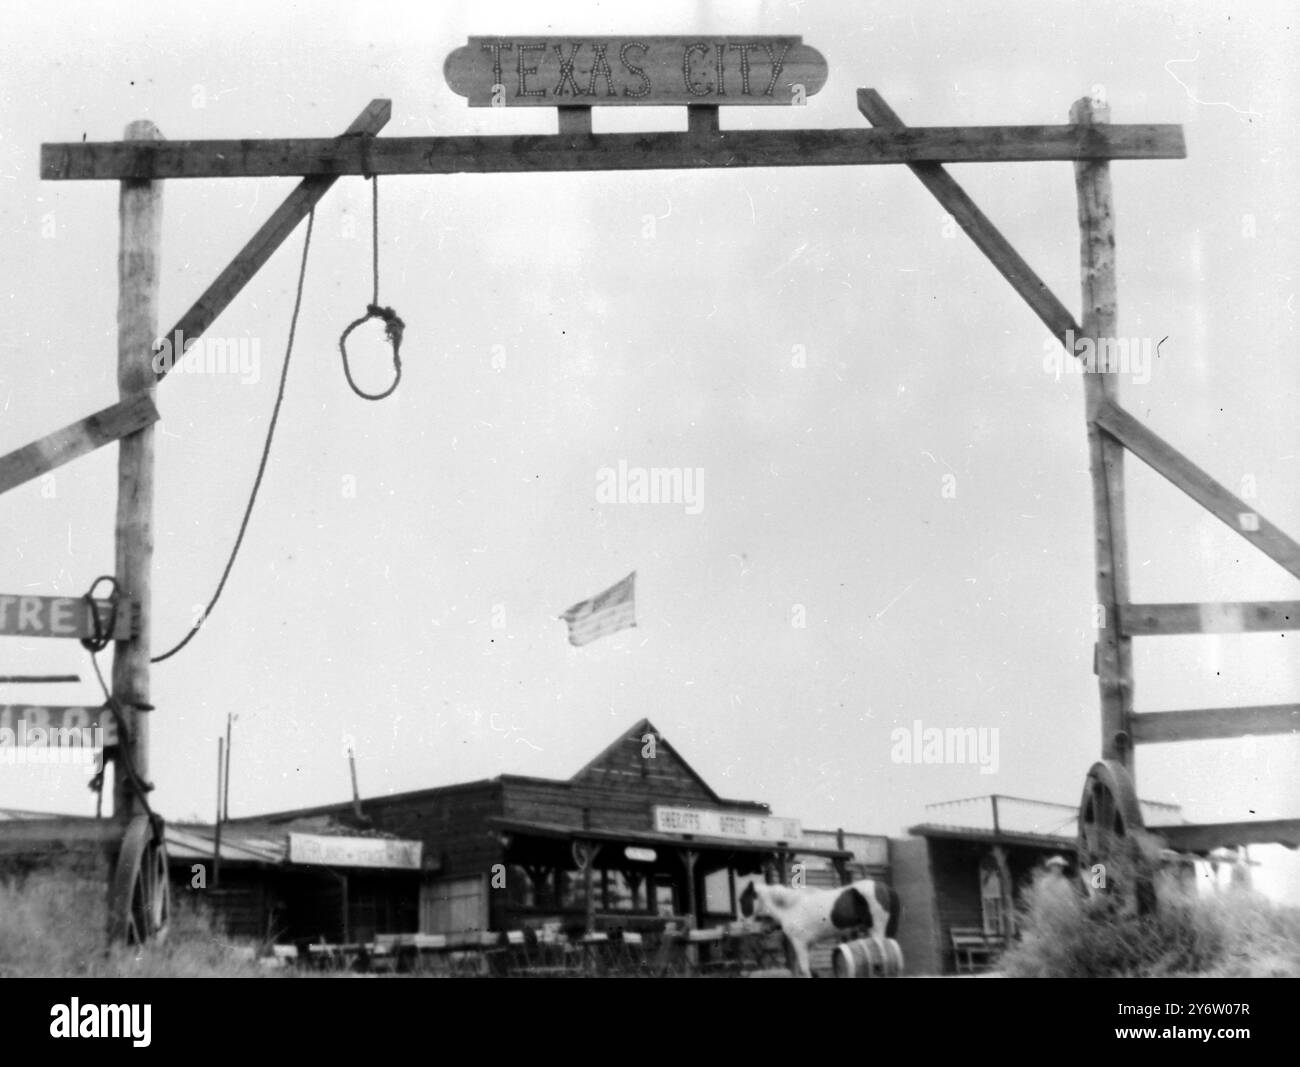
(266, 452)
(393, 326)
(123, 754)
(101, 633)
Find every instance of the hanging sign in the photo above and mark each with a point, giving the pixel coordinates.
(623, 71)
(330, 851)
(62, 616)
(703, 822)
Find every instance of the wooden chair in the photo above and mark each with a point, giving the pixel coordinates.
(973, 950)
(671, 959)
(552, 956)
(628, 954)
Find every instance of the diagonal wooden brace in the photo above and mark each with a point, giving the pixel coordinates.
(55, 449)
(1166, 460)
(988, 239)
(263, 244)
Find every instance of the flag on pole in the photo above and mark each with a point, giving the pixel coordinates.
(605, 613)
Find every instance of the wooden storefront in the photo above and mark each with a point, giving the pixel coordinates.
(961, 875)
(636, 839)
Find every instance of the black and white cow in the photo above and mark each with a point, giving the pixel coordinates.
(806, 916)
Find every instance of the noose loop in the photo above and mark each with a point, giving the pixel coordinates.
(393, 325)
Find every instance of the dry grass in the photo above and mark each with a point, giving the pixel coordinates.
(1237, 934)
(53, 922)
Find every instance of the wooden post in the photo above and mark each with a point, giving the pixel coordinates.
(225, 789)
(1106, 456)
(140, 221)
(216, 833)
(1008, 898)
(689, 856)
(356, 794)
(586, 854)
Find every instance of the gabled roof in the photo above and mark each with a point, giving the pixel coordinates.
(615, 757)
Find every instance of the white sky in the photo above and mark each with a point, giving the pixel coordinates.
(371, 617)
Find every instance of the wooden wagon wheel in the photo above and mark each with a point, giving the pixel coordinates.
(139, 898)
(1113, 838)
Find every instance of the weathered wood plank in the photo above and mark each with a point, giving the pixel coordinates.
(1264, 616)
(1203, 837)
(1200, 724)
(81, 437)
(48, 836)
(272, 233)
(1106, 458)
(609, 151)
(1183, 473)
(1009, 263)
(139, 250)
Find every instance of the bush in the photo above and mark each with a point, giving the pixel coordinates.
(53, 923)
(1236, 934)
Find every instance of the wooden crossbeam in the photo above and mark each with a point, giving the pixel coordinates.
(988, 239)
(1153, 620)
(611, 151)
(85, 435)
(1182, 472)
(254, 255)
(50, 836)
(1204, 837)
(1200, 724)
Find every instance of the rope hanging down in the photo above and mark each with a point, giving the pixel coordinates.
(266, 452)
(393, 326)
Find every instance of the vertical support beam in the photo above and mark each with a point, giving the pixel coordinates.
(1008, 899)
(587, 854)
(216, 832)
(689, 856)
(140, 220)
(347, 907)
(1106, 455)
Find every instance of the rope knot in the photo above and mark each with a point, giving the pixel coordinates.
(393, 325)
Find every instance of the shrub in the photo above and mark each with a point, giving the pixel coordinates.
(1237, 934)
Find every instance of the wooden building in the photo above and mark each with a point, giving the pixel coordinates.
(635, 839)
(304, 880)
(961, 874)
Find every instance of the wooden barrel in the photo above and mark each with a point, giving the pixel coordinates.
(867, 958)
(862, 958)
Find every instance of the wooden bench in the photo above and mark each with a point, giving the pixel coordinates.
(973, 950)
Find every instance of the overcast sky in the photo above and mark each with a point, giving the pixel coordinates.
(818, 342)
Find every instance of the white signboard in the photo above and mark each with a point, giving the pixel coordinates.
(705, 823)
(354, 851)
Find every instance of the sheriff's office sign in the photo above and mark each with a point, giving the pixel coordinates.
(665, 71)
(323, 851)
(701, 822)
